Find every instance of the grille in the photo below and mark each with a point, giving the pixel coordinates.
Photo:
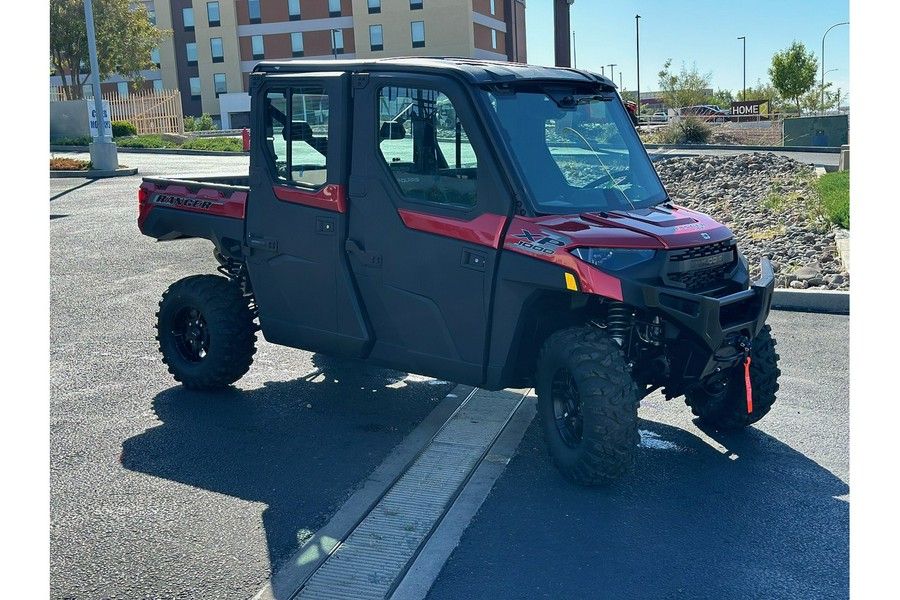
(701, 267)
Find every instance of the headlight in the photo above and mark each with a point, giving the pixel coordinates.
(613, 259)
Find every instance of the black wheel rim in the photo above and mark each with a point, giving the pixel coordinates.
(190, 334)
(567, 409)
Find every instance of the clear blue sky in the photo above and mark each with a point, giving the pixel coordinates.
(701, 32)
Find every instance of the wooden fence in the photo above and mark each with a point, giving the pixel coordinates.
(149, 111)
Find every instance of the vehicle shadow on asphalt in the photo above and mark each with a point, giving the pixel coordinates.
(758, 520)
(301, 447)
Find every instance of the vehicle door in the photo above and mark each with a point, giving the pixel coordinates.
(427, 209)
(296, 219)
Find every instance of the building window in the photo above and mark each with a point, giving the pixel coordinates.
(157, 85)
(376, 38)
(294, 10)
(418, 34)
(154, 56)
(219, 80)
(297, 43)
(191, 53)
(188, 16)
(212, 13)
(259, 50)
(415, 4)
(494, 39)
(122, 88)
(218, 53)
(493, 8)
(334, 8)
(253, 6)
(195, 88)
(374, 7)
(337, 41)
(151, 13)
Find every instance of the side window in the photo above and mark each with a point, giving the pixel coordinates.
(426, 147)
(297, 134)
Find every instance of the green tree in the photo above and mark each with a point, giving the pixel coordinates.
(766, 91)
(722, 99)
(685, 88)
(124, 34)
(793, 72)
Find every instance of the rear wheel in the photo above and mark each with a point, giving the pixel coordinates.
(206, 332)
(726, 407)
(587, 402)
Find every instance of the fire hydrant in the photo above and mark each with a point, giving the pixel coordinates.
(245, 139)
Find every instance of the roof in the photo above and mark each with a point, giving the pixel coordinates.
(474, 70)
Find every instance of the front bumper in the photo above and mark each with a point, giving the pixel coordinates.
(707, 325)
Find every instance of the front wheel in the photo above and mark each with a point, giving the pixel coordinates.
(727, 406)
(206, 332)
(587, 402)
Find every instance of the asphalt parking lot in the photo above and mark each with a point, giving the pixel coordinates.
(160, 492)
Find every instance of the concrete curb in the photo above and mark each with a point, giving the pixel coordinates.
(828, 301)
(94, 174)
(153, 151)
(819, 149)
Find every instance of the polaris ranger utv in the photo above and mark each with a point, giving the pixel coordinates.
(492, 224)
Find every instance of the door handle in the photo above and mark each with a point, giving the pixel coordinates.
(368, 259)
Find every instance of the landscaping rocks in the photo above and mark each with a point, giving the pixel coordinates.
(771, 204)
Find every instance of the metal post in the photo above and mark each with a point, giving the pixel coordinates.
(637, 37)
(823, 61)
(103, 150)
(574, 52)
(612, 74)
(744, 96)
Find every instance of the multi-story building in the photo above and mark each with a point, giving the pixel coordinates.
(214, 45)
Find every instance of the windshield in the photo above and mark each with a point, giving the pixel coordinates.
(577, 150)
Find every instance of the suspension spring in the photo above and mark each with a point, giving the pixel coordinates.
(618, 321)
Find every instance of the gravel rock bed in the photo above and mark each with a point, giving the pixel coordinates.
(771, 205)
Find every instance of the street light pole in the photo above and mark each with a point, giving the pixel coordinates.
(103, 150)
(823, 60)
(574, 52)
(744, 95)
(637, 37)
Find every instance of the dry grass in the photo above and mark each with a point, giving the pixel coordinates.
(69, 164)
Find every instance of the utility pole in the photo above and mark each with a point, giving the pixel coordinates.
(744, 95)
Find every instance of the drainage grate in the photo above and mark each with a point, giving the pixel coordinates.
(367, 564)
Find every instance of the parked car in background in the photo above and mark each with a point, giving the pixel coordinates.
(659, 116)
(706, 112)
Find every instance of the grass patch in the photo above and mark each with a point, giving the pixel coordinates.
(834, 188)
(221, 144)
(73, 141)
(69, 164)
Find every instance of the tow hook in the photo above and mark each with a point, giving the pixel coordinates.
(744, 344)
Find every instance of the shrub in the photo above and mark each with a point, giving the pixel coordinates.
(687, 130)
(834, 189)
(145, 141)
(75, 141)
(224, 144)
(123, 129)
(204, 123)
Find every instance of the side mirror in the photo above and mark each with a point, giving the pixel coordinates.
(392, 130)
